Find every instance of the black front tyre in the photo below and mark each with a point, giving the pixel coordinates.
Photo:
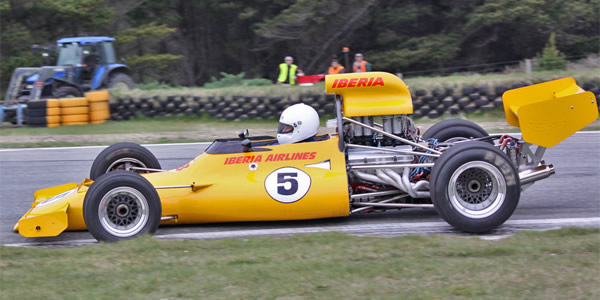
(474, 187)
(121, 205)
(453, 128)
(67, 92)
(123, 156)
(120, 81)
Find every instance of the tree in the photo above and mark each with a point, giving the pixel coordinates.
(188, 42)
(140, 41)
(551, 58)
(311, 30)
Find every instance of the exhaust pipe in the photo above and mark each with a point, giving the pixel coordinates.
(538, 173)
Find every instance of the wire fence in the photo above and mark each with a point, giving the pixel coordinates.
(526, 66)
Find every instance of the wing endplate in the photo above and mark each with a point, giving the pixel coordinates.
(550, 112)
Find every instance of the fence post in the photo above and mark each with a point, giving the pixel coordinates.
(528, 65)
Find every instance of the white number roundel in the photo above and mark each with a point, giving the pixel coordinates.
(287, 185)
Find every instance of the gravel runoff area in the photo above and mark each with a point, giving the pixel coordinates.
(207, 135)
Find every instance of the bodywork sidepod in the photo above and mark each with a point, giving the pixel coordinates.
(225, 187)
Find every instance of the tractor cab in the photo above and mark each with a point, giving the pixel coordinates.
(88, 56)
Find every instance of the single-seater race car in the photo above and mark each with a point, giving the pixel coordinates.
(375, 161)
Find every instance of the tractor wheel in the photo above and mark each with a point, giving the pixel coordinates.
(121, 205)
(67, 92)
(475, 187)
(120, 81)
(123, 156)
(452, 128)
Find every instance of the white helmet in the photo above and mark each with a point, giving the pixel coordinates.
(297, 123)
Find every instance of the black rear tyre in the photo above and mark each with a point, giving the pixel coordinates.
(121, 205)
(123, 156)
(120, 81)
(474, 187)
(453, 128)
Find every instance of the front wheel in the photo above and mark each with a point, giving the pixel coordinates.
(123, 156)
(474, 187)
(67, 92)
(121, 205)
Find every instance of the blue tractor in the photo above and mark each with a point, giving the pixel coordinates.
(82, 64)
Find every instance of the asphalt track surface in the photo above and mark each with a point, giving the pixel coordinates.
(571, 197)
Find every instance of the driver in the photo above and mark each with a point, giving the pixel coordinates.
(298, 123)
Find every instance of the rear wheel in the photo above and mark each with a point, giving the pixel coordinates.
(123, 156)
(475, 187)
(454, 128)
(120, 81)
(121, 205)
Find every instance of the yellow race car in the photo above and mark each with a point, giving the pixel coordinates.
(376, 160)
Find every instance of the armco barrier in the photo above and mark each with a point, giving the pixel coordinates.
(426, 103)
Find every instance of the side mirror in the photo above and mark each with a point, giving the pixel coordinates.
(244, 134)
(247, 145)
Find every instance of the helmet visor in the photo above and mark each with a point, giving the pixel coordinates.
(284, 128)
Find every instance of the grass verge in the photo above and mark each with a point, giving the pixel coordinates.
(492, 80)
(560, 264)
(141, 125)
(46, 144)
(187, 129)
(427, 83)
(200, 123)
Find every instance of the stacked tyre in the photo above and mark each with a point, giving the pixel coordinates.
(43, 113)
(98, 106)
(74, 111)
(433, 104)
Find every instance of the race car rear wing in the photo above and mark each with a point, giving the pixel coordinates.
(549, 112)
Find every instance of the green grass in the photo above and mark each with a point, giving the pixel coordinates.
(269, 90)
(99, 143)
(560, 264)
(141, 125)
(189, 129)
(428, 83)
(458, 81)
(196, 123)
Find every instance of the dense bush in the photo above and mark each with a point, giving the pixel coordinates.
(228, 80)
(154, 85)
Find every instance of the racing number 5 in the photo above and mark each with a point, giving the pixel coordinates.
(287, 184)
(282, 179)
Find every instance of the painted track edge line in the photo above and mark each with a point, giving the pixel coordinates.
(371, 229)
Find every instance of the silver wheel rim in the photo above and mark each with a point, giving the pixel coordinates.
(125, 164)
(123, 211)
(477, 189)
